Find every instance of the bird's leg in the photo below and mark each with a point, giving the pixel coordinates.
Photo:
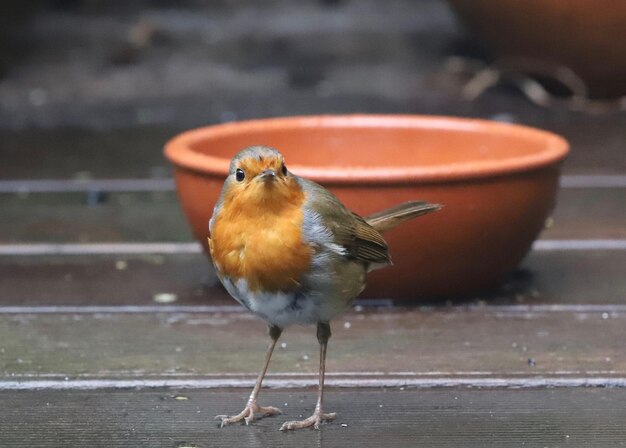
(323, 334)
(251, 408)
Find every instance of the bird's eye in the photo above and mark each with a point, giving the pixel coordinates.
(240, 175)
(283, 169)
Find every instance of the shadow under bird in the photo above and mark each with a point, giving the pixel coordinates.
(290, 252)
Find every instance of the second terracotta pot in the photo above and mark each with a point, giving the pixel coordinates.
(587, 36)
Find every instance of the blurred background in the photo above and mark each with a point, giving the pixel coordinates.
(110, 64)
(91, 89)
(159, 66)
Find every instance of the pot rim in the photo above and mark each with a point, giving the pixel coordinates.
(179, 149)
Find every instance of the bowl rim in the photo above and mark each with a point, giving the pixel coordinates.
(178, 149)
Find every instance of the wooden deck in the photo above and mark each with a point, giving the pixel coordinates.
(114, 331)
(367, 417)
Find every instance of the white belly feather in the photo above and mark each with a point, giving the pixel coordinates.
(285, 308)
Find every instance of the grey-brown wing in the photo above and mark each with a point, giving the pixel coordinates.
(328, 220)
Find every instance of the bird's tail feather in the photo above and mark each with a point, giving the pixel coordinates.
(392, 217)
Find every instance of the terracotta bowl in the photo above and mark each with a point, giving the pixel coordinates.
(498, 183)
(588, 36)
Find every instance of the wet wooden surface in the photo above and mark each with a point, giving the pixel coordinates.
(116, 217)
(143, 349)
(493, 343)
(370, 418)
(544, 277)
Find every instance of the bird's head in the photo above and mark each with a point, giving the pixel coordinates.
(259, 177)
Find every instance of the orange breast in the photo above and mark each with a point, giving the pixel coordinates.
(261, 244)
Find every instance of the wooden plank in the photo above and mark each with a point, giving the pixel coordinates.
(97, 280)
(68, 217)
(493, 341)
(137, 152)
(553, 277)
(596, 141)
(368, 418)
(82, 153)
(567, 277)
(589, 213)
(78, 217)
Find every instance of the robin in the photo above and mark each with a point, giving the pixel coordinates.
(286, 249)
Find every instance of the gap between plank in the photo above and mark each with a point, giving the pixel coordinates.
(606, 310)
(77, 186)
(147, 185)
(99, 249)
(168, 248)
(356, 382)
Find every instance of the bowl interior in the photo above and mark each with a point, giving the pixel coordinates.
(324, 148)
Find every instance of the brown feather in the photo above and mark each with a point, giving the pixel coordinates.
(393, 217)
(361, 241)
(369, 243)
(361, 237)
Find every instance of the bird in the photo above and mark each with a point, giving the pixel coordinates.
(290, 252)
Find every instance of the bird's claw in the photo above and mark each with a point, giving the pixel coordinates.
(313, 421)
(248, 414)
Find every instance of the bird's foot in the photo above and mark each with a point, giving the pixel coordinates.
(313, 421)
(247, 415)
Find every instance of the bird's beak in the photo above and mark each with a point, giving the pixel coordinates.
(268, 175)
